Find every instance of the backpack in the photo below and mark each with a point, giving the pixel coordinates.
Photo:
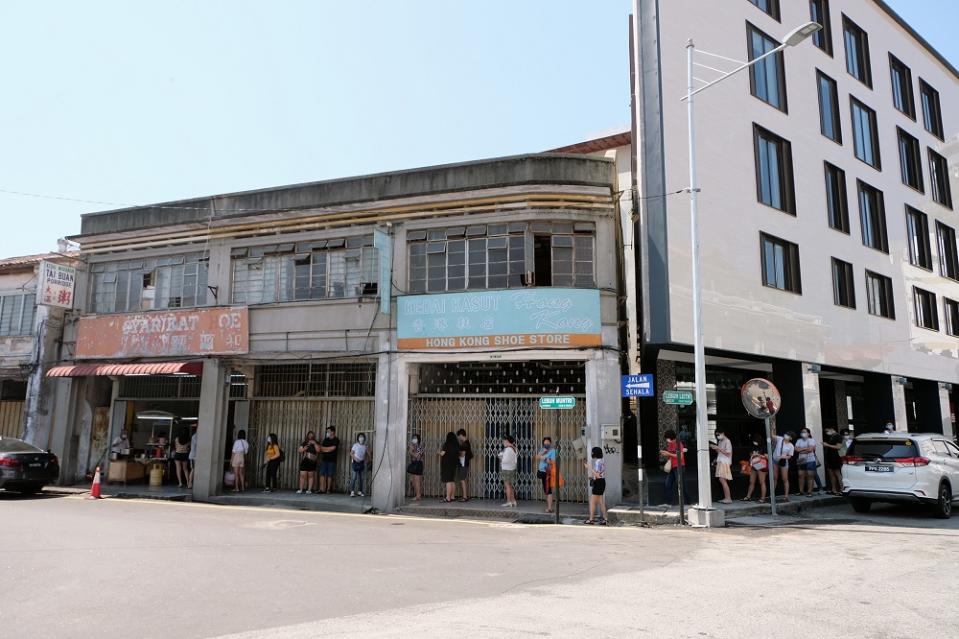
(282, 457)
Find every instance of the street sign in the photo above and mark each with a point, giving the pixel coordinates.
(761, 398)
(557, 402)
(638, 385)
(678, 397)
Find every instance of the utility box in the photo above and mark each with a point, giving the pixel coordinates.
(612, 432)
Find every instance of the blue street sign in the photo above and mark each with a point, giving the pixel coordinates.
(638, 385)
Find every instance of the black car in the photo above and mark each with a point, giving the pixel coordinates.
(24, 467)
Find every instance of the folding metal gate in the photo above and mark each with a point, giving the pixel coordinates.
(486, 419)
(11, 418)
(290, 419)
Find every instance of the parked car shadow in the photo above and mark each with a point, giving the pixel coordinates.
(10, 495)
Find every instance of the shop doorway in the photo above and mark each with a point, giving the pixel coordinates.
(482, 399)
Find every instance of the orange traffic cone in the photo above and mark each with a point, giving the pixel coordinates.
(95, 488)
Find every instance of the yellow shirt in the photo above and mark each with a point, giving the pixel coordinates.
(272, 451)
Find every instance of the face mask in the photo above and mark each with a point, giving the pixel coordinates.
(362, 440)
(416, 440)
(329, 434)
(547, 446)
(805, 435)
(720, 436)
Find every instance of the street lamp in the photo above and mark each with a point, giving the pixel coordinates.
(791, 39)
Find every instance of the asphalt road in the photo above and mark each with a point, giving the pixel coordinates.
(77, 568)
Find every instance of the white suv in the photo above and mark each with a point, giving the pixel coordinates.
(901, 467)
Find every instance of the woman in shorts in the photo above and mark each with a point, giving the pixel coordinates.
(597, 481)
(309, 450)
(724, 462)
(238, 460)
(415, 467)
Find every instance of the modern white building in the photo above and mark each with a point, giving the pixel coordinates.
(827, 216)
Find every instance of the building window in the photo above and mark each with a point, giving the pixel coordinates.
(902, 96)
(496, 256)
(767, 79)
(939, 179)
(948, 253)
(819, 12)
(768, 6)
(16, 313)
(774, 170)
(917, 229)
(857, 52)
(927, 315)
(931, 110)
(865, 133)
(780, 264)
(951, 311)
(910, 160)
(879, 295)
(872, 217)
(828, 107)
(178, 281)
(837, 204)
(843, 287)
(322, 269)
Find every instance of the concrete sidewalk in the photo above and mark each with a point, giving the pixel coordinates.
(526, 512)
(669, 515)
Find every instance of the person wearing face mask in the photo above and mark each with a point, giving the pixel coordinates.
(847, 438)
(328, 449)
(724, 461)
(758, 467)
(272, 462)
(358, 455)
(415, 468)
(782, 453)
(546, 457)
(309, 451)
(806, 458)
(830, 447)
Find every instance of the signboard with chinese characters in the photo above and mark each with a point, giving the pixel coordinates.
(56, 285)
(522, 318)
(193, 332)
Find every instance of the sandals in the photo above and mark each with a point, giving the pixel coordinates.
(746, 499)
(601, 522)
(589, 522)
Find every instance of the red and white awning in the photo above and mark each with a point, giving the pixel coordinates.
(119, 370)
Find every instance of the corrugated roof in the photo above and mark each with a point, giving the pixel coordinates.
(597, 144)
(23, 261)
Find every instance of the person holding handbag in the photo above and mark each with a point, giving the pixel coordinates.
(546, 457)
(758, 470)
(674, 458)
(781, 455)
(272, 458)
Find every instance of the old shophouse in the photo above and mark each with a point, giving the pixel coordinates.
(421, 301)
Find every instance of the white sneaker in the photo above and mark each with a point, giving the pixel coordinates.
(362, 495)
(352, 494)
(513, 504)
(506, 505)
(299, 492)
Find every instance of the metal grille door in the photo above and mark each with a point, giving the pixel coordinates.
(486, 420)
(291, 419)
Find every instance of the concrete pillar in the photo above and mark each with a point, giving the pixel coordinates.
(211, 431)
(945, 411)
(40, 390)
(813, 411)
(604, 406)
(389, 448)
(62, 437)
(899, 418)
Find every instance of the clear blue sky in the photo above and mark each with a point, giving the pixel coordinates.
(140, 102)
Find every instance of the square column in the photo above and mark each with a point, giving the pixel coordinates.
(813, 411)
(211, 431)
(604, 406)
(900, 416)
(946, 411)
(389, 442)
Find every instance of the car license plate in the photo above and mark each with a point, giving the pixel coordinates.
(878, 469)
(36, 465)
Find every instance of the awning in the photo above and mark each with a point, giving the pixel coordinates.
(118, 370)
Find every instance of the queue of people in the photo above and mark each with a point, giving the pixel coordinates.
(789, 452)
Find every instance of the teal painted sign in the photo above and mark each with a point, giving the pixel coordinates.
(529, 317)
(557, 402)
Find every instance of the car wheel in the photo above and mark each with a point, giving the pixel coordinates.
(943, 508)
(861, 505)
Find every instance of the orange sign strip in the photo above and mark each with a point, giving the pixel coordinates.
(550, 340)
(179, 333)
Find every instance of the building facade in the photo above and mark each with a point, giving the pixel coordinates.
(30, 331)
(827, 222)
(421, 301)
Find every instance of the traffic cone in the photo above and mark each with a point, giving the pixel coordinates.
(95, 488)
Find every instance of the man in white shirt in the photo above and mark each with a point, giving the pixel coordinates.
(806, 458)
